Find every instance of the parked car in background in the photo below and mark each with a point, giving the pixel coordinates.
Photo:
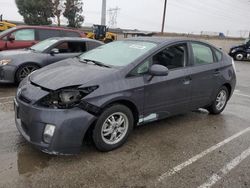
(109, 90)
(241, 52)
(15, 65)
(25, 36)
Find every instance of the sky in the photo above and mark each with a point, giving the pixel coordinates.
(232, 17)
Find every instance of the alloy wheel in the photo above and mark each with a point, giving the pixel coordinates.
(114, 128)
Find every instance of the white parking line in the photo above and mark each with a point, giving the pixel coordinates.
(11, 97)
(226, 169)
(243, 95)
(9, 102)
(200, 155)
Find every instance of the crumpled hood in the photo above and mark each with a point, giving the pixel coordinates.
(12, 53)
(66, 73)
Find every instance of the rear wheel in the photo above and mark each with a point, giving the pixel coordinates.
(220, 102)
(24, 70)
(113, 127)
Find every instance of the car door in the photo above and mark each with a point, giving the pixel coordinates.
(168, 95)
(23, 38)
(64, 50)
(204, 73)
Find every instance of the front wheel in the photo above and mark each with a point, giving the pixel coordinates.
(220, 102)
(113, 127)
(24, 70)
(239, 56)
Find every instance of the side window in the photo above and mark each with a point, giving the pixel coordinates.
(141, 69)
(172, 57)
(46, 33)
(92, 45)
(71, 47)
(71, 34)
(202, 54)
(24, 35)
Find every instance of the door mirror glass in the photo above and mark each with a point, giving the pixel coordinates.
(11, 37)
(158, 70)
(54, 51)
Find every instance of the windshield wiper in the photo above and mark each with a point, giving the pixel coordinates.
(29, 48)
(94, 62)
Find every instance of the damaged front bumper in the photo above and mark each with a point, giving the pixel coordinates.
(70, 126)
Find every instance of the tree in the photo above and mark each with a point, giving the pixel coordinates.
(58, 9)
(73, 13)
(36, 12)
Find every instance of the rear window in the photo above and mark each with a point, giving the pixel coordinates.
(47, 33)
(218, 54)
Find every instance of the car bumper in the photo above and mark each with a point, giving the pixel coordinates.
(70, 127)
(7, 74)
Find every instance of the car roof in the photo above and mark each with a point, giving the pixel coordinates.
(47, 27)
(162, 40)
(78, 39)
(158, 40)
(168, 40)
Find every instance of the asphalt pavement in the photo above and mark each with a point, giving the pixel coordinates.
(189, 150)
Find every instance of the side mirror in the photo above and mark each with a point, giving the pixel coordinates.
(11, 37)
(54, 51)
(158, 70)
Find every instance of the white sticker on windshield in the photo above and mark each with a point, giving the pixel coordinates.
(139, 47)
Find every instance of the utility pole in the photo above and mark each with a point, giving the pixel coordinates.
(164, 17)
(103, 19)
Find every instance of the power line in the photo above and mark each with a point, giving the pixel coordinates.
(113, 13)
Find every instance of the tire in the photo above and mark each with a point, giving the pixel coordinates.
(108, 134)
(239, 56)
(222, 98)
(25, 70)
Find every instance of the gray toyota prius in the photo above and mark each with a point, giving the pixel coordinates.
(111, 89)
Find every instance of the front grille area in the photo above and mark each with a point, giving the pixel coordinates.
(24, 99)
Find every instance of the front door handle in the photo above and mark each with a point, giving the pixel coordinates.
(217, 72)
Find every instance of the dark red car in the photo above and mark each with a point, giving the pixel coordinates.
(26, 36)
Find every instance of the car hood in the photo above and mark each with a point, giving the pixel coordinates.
(238, 46)
(11, 53)
(66, 73)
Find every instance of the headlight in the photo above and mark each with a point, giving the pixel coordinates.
(233, 50)
(66, 98)
(5, 61)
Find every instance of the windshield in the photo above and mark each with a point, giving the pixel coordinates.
(246, 41)
(119, 53)
(7, 31)
(41, 46)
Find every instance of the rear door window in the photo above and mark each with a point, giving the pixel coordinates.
(24, 35)
(202, 54)
(47, 33)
